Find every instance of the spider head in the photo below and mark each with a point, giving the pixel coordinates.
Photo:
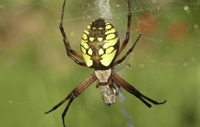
(103, 75)
(109, 90)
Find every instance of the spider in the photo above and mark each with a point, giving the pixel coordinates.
(100, 46)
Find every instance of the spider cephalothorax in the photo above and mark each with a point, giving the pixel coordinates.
(109, 89)
(100, 48)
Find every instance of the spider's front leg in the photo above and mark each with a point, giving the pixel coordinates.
(75, 93)
(118, 80)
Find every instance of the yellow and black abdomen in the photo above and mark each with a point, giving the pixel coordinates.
(99, 44)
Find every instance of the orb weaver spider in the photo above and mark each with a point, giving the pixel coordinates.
(100, 47)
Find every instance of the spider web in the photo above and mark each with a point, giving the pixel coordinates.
(35, 73)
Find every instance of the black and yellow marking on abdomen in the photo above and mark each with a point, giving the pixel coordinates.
(99, 44)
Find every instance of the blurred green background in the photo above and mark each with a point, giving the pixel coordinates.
(36, 74)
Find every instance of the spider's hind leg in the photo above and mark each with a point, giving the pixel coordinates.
(127, 31)
(128, 52)
(70, 52)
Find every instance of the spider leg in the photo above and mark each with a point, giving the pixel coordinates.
(70, 52)
(66, 109)
(97, 85)
(75, 93)
(75, 60)
(118, 80)
(59, 104)
(128, 52)
(127, 31)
